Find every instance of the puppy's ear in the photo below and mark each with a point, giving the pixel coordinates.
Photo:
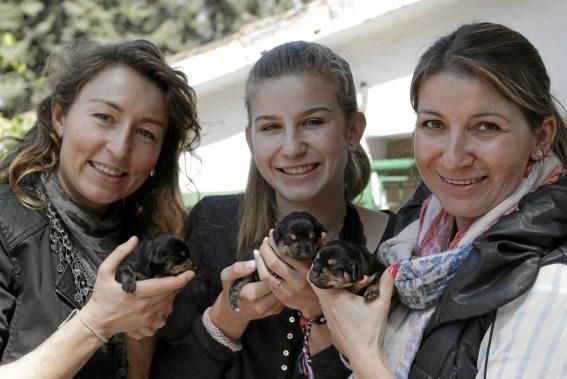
(355, 271)
(320, 227)
(278, 233)
(155, 253)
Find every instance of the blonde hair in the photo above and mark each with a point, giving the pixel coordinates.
(258, 211)
(156, 207)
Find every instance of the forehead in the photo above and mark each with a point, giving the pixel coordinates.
(458, 93)
(293, 93)
(121, 85)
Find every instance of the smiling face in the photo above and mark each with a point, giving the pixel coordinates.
(111, 136)
(472, 145)
(299, 137)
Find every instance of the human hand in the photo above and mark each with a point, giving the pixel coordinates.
(291, 285)
(357, 326)
(256, 301)
(139, 314)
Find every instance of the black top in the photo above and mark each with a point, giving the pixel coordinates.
(271, 346)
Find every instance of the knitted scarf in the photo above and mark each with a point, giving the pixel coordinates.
(429, 253)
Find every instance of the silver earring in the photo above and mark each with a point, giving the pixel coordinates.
(152, 173)
(539, 154)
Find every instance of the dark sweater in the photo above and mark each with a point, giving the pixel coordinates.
(271, 346)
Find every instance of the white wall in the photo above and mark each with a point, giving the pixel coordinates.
(382, 51)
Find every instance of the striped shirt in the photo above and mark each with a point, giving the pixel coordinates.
(530, 333)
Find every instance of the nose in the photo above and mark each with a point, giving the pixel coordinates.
(457, 151)
(119, 142)
(293, 142)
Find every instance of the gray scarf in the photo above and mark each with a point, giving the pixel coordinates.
(96, 236)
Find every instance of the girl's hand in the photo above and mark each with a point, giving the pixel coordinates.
(256, 302)
(111, 310)
(357, 326)
(289, 284)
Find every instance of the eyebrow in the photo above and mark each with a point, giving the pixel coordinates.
(308, 112)
(476, 115)
(120, 109)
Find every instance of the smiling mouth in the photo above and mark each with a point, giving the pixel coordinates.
(464, 182)
(107, 170)
(298, 170)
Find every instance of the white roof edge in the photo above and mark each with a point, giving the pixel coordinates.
(320, 20)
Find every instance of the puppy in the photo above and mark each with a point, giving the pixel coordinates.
(298, 236)
(341, 264)
(164, 255)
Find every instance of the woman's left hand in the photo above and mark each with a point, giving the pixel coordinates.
(357, 326)
(292, 287)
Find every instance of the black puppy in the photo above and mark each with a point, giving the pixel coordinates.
(164, 255)
(298, 236)
(341, 264)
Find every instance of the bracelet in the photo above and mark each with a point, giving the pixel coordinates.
(85, 323)
(217, 334)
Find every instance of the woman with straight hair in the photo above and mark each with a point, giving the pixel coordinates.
(304, 135)
(482, 275)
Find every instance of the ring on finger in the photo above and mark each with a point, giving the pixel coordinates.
(277, 285)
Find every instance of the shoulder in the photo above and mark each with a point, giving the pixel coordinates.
(17, 221)
(217, 210)
(375, 223)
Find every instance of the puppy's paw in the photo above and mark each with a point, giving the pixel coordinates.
(234, 294)
(126, 276)
(371, 293)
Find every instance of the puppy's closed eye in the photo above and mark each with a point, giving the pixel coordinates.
(341, 264)
(297, 235)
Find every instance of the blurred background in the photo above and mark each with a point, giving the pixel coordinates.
(216, 42)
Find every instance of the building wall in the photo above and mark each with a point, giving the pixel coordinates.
(382, 51)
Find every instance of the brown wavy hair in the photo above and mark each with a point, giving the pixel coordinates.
(258, 212)
(507, 60)
(156, 207)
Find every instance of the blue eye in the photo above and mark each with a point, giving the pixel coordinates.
(102, 117)
(269, 127)
(146, 134)
(432, 124)
(313, 122)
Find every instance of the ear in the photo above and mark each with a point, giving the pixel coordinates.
(355, 271)
(248, 132)
(321, 227)
(278, 233)
(545, 134)
(57, 117)
(356, 129)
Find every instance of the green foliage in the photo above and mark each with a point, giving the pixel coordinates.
(13, 128)
(31, 30)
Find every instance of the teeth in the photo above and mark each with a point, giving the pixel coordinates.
(106, 170)
(464, 182)
(298, 169)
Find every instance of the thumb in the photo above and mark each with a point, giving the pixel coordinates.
(111, 262)
(387, 282)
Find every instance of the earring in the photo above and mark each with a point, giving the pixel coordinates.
(539, 154)
(152, 173)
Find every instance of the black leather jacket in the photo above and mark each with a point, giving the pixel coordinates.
(503, 265)
(34, 297)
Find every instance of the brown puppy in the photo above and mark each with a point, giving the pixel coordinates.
(164, 255)
(341, 264)
(298, 236)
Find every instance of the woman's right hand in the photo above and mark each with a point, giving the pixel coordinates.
(256, 301)
(139, 314)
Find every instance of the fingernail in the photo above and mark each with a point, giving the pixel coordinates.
(250, 264)
(265, 239)
(394, 270)
(256, 253)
